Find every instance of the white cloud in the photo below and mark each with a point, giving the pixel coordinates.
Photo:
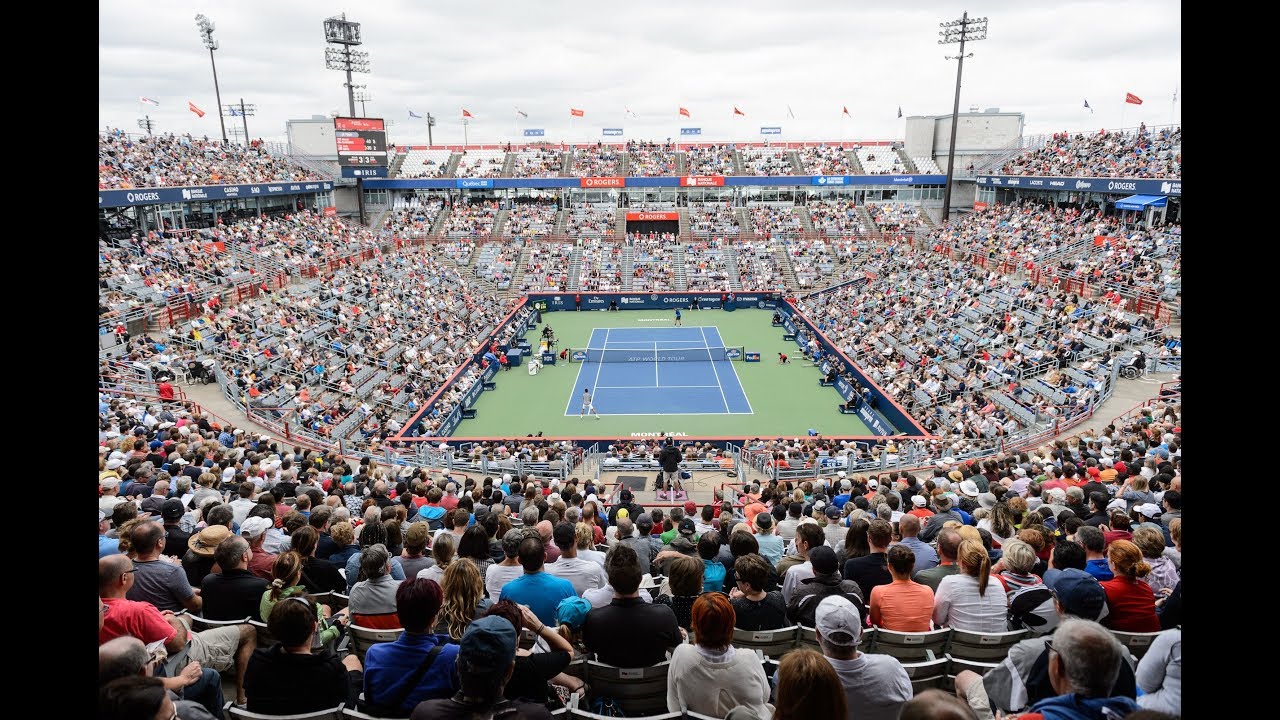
(1040, 59)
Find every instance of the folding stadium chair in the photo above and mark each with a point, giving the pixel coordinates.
(363, 638)
(958, 665)
(927, 674)
(235, 713)
(639, 691)
(1137, 643)
(773, 643)
(910, 646)
(983, 647)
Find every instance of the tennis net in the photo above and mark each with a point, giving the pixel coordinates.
(619, 355)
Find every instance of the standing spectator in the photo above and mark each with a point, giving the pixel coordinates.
(754, 608)
(965, 601)
(713, 677)
(649, 630)
(902, 605)
(1129, 598)
(875, 686)
(540, 590)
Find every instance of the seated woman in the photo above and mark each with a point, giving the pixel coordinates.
(684, 585)
(753, 606)
(713, 677)
(965, 601)
(373, 598)
(464, 598)
(287, 677)
(533, 671)
(286, 582)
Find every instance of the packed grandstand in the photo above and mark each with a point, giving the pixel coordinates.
(944, 559)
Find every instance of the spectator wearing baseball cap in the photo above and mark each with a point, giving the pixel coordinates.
(254, 529)
(833, 529)
(485, 658)
(1017, 683)
(875, 684)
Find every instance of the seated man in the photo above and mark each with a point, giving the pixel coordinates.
(218, 648)
(235, 593)
(156, 580)
(418, 665)
(875, 684)
(486, 659)
(201, 687)
(538, 589)
(650, 630)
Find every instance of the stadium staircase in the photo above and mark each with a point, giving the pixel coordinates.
(739, 167)
(522, 265)
(991, 164)
(628, 266)
(566, 164)
(499, 223)
(442, 219)
(680, 280)
(452, 166)
(806, 221)
(855, 166)
(731, 266)
(325, 169)
(686, 232)
(682, 163)
(797, 167)
(907, 162)
(509, 165)
(926, 219)
(865, 217)
(396, 165)
(575, 270)
(562, 217)
(624, 164)
(744, 221)
(620, 225)
(784, 264)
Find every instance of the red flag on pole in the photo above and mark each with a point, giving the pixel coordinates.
(685, 112)
(736, 111)
(575, 112)
(467, 113)
(1132, 99)
(192, 107)
(846, 111)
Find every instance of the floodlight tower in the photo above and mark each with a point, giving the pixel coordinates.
(206, 36)
(964, 30)
(340, 32)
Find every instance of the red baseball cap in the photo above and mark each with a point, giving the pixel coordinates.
(690, 507)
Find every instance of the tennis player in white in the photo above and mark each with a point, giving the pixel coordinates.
(588, 408)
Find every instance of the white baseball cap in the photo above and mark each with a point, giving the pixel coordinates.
(838, 621)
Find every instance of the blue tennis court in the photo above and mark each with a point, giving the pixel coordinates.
(658, 371)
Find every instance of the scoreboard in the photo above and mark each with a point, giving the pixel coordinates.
(362, 142)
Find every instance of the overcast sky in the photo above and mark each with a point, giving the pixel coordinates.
(546, 56)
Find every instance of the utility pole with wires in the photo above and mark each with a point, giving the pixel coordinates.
(964, 30)
(145, 123)
(244, 112)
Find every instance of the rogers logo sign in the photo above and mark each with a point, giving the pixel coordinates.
(603, 182)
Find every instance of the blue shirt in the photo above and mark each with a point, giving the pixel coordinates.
(107, 546)
(388, 666)
(926, 556)
(712, 576)
(541, 591)
(840, 500)
(1098, 568)
(770, 548)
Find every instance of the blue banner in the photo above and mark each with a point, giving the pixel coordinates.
(203, 193)
(730, 181)
(364, 172)
(690, 131)
(474, 183)
(612, 132)
(1119, 186)
(770, 131)
(535, 132)
(652, 301)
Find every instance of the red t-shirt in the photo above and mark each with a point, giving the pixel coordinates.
(138, 619)
(1132, 606)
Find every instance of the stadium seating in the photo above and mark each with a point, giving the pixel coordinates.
(481, 164)
(879, 160)
(142, 161)
(425, 163)
(1143, 153)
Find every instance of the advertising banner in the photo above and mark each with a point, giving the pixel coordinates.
(203, 193)
(1125, 186)
(603, 182)
(364, 172)
(652, 216)
(702, 181)
(535, 132)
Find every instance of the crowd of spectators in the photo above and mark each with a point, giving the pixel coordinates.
(652, 269)
(413, 217)
(706, 267)
(532, 219)
(481, 164)
(423, 163)
(649, 159)
(1144, 153)
(548, 266)
(591, 221)
(758, 268)
(771, 221)
(710, 160)
(810, 259)
(538, 162)
(1068, 542)
(598, 161)
(879, 160)
(471, 219)
(143, 161)
(766, 161)
(825, 160)
(836, 217)
(601, 266)
(714, 219)
(497, 262)
(895, 217)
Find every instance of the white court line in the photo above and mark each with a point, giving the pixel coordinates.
(663, 414)
(714, 370)
(640, 387)
(577, 383)
(655, 365)
(600, 365)
(734, 368)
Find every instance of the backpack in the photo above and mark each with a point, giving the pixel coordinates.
(1023, 603)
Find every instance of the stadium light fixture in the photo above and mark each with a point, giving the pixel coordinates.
(340, 32)
(966, 29)
(206, 28)
(244, 111)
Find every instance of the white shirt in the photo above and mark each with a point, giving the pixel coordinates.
(791, 582)
(957, 604)
(582, 573)
(498, 576)
(600, 597)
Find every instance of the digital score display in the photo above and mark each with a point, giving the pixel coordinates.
(362, 142)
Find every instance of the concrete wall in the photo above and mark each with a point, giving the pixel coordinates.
(312, 137)
(978, 134)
